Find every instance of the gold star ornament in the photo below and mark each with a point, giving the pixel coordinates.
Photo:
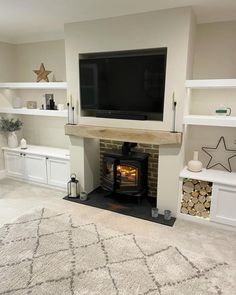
(42, 74)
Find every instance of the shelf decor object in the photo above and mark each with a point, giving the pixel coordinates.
(222, 110)
(195, 165)
(16, 102)
(32, 105)
(42, 74)
(220, 155)
(23, 144)
(10, 126)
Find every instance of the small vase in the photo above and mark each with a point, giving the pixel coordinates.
(195, 165)
(12, 140)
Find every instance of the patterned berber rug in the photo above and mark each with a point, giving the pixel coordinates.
(49, 253)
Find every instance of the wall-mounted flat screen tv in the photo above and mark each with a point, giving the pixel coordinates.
(124, 84)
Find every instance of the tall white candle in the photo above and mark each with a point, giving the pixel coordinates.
(71, 100)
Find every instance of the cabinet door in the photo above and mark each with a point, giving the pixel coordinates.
(35, 168)
(223, 204)
(58, 172)
(14, 163)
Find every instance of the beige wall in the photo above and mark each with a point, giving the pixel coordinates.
(215, 51)
(214, 58)
(169, 28)
(29, 56)
(7, 62)
(7, 74)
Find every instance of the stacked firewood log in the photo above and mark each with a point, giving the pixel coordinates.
(196, 198)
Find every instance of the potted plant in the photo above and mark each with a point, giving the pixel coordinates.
(10, 126)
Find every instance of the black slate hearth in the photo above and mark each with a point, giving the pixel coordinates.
(128, 205)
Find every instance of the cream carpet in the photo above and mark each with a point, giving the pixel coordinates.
(50, 253)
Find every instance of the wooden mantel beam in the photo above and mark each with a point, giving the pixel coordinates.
(124, 134)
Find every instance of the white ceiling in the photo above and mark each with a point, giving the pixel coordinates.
(37, 20)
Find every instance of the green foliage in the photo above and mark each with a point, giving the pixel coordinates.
(9, 125)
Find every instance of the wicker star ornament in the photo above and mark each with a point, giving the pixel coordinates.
(220, 155)
(42, 74)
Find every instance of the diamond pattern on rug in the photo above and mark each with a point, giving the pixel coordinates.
(85, 235)
(61, 287)
(14, 277)
(196, 286)
(35, 215)
(51, 267)
(135, 280)
(103, 285)
(170, 266)
(55, 223)
(50, 253)
(20, 231)
(15, 252)
(87, 260)
(125, 248)
(52, 243)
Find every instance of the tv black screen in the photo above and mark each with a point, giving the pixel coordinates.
(131, 82)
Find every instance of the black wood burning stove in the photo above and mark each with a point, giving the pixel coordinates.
(125, 173)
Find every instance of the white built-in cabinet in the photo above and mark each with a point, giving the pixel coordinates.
(58, 172)
(223, 207)
(35, 168)
(223, 197)
(14, 164)
(44, 165)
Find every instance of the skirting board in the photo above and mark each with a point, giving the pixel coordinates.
(2, 174)
(37, 183)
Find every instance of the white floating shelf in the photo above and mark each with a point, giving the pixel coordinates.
(221, 121)
(216, 176)
(34, 85)
(212, 83)
(34, 112)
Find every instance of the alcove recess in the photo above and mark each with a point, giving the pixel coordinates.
(196, 197)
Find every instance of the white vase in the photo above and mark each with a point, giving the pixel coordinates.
(12, 140)
(195, 165)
